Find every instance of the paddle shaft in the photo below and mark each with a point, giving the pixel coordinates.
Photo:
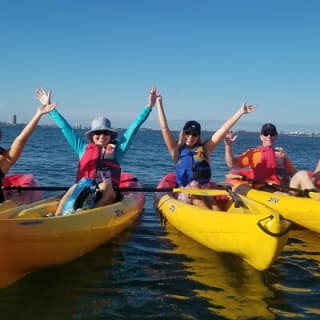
(58, 188)
(200, 192)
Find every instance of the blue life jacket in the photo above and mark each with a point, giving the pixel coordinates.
(193, 164)
(83, 196)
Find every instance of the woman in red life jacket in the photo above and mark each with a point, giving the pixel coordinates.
(100, 154)
(267, 162)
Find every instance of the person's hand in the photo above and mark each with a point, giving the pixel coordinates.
(245, 108)
(159, 99)
(152, 97)
(46, 108)
(229, 139)
(43, 96)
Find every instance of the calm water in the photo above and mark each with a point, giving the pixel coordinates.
(154, 272)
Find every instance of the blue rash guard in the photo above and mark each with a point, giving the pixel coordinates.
(79, 144)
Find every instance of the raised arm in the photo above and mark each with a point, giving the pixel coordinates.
(168, 138)
(128, 136)
(231, 161)
(77, 143)
(10, 157)
(221, 132)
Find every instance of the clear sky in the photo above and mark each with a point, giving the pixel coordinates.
(206, 57)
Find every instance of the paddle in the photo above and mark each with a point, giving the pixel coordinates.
(199, 192)
(238, 202)
(33, 188)
(304, 193)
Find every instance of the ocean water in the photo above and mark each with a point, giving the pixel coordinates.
(152, 271)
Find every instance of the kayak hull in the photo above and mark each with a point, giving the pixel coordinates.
(302, 211)
(29, 240)
(254, 232)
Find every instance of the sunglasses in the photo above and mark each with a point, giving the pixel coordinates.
(100, 132)
(189, 133)
(271, 134)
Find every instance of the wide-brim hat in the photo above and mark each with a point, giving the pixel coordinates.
(101, 123)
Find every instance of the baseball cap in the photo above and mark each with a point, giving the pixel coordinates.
(192, 127)
(269, 128)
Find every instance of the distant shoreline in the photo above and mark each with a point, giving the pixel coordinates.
(254, 132)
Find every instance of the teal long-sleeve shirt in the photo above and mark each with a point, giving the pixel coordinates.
(79, 144)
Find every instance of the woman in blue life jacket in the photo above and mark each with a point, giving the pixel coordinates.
(100, 158)
(9, 156)
(192, 156)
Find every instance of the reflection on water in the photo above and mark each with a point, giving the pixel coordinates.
(154, 272)
(234, 289)
(74, 290)
(296, 277)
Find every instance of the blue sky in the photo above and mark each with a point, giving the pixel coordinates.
(206, 58)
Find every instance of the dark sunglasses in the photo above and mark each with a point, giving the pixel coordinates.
(189, 133)
(100, 132)
(271, 134)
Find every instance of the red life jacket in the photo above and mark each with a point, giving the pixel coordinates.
(91, 162)
(266, 170)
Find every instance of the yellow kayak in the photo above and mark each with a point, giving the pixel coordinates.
(302, 211)
(29, 240)
(253, 231)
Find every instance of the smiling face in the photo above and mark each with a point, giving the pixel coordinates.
(268, 139)
(101, 137)
(190, 138)
(268, 134)
(191, 133)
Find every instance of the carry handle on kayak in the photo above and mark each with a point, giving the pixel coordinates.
(270, 233)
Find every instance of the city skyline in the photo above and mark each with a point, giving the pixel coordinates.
(252, 128)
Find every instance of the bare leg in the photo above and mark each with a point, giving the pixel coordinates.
(64, 199)
(108, 195)
(200, 203)
(196, 200)
(212, 203)
(301, 180)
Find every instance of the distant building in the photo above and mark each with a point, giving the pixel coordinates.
(13, 119)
